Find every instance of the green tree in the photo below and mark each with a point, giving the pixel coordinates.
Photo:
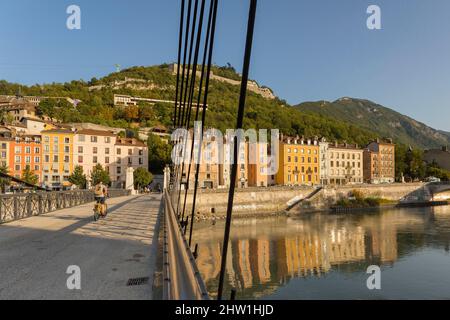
(29, 176)
(4, 182)
(142, 178)
(47, 107)
(100, 175)
(159, 153)
(78, 178)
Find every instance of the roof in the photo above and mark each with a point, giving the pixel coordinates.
(345, 146)
(130, 142)
(92, 132)
(58, 131)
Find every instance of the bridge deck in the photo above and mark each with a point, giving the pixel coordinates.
(36, 252)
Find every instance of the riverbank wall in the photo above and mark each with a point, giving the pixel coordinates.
(275, 200)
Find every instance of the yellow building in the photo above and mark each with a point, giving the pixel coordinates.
(58, 157)
(298, 161)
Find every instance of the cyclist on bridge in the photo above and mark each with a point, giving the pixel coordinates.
(101, 192)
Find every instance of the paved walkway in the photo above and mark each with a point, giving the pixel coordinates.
(36, 252)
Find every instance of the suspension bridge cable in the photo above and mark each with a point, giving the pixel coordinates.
(183, 116)
(180, 45)
(210, 34)
(186, 41)
(186, 37)
(190, 101)
(240, 120)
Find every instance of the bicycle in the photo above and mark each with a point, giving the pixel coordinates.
(98, 208)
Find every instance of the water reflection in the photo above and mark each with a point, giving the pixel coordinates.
(266, 254)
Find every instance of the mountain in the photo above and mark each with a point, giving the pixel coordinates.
(386, 122)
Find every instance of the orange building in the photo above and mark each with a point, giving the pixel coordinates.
(298, 160)
(25, 151)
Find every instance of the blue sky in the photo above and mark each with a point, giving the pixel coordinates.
(304, 49)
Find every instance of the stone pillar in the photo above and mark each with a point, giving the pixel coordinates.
(129, 182)
(166, 177)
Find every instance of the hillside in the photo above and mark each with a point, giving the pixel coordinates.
(353, 120)
(159, 83)
(386, 122)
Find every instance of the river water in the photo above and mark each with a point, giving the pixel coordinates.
(326, 256)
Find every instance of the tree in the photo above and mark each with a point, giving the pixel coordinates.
(142, 178)
(47, 107)
(4, 181)
(78, 178)
(159, 153)
(100, 175)
(29, 176)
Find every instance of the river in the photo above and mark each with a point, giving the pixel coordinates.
(326, 256)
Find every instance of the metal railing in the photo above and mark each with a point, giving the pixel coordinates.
(182, 279)
(24, 205)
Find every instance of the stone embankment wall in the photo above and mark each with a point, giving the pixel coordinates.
(255, 201)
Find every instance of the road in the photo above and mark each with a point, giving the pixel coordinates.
(35, 253)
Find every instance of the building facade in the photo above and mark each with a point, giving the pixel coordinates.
(345, 164)
(129, 153)
(379, 162)
(58, 162)
(93, 147)
(25, 151)
(298, 160)
(258, 165)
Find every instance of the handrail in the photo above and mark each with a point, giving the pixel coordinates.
(182, 279)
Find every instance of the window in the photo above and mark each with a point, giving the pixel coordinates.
(289, 159)
(95, 150)
(141, 161)
(130, 161)
(80, 159)
(47, 158)
(66, 149)
(107, 140)
(55, 140)
(47, 148)
(107, 160)
(17, 150)
(18, 159)
(119, 151)
(3, 154)
(37, 159)
(17, 167)
(119, 161)
(81, 138)
(28, 159)
(106, 150)
(95, 160)
(119, 170)
(66, 140)
(4, 146)
(141, 152)
(55, 148)
(93, 139)
(46, 139)
(37, 150)
(66, 159)
(80, 150)
(130, 152)
(55, 159)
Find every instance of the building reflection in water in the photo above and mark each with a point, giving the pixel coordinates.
(265, 254)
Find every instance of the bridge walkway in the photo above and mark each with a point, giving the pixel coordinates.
(36, 252)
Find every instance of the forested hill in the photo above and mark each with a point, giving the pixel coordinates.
(372, 116)
(158, 82)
